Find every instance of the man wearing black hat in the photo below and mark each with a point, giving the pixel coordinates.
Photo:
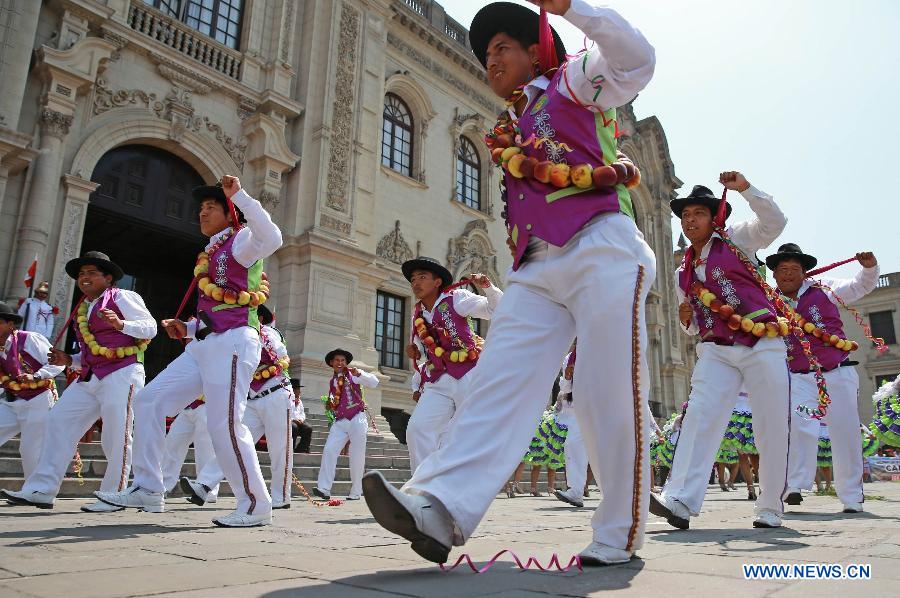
(219, 363)
(345, 405)
(723, 302)
(113, 328)
(301, 432)
(27, 390)
(816, 301)
(581, 268)
(444, 336)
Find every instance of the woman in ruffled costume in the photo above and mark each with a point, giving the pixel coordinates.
(545, 450)
(886, 421)
(739, 437)
(726, 459)
(870, 442)
(666, 450)
(823, 459)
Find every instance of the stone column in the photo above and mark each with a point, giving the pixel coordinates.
(78, 192)
(17, 46)
(34, 234)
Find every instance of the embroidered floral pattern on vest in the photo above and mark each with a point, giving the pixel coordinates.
(728, 292)
(545, 131)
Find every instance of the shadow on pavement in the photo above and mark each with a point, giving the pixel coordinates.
(91, 532)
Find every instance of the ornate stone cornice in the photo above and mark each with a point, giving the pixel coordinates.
(342, 119)
(393, 247)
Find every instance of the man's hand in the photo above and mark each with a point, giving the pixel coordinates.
(412, 351)
(24, 378)
(416, 396)
(685, 312)
(481, 280)
(353, 372)
(556, 7)
(57, 357)
(734, 181)
(111, 317)
(230, 185)
(867, 259)
(570, 371)
(175, 328)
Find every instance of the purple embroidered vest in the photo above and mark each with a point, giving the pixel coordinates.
(351, 399)
(542, 210)
(267, 358)
(728, 279)
(18, 361)
(449, 330)
(815, 307)
(106, 336)
(226, 272)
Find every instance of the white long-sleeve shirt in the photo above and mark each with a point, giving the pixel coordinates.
(271, 337)
(467, 304)
(610, 74)
(256, 241)
(366, 379)
(136, 318)
(38, 316)
(38, 347)
(850, 290)
(298, 414)
(750, 236)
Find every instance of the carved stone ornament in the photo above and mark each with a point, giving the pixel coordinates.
(334, 224)
(342, 120)
(472, 251)
(393, 246)
(268, 199)
(55, 124)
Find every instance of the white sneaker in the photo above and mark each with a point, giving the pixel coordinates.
(426, 525)
(236, 519)
(134, 498)
(281, 505)
(597, 554)
(197, 493)
(354, 497)
(766, 518)
(570, 496)
(853, 507)
(101, 507)
(675, 513)
(34, 499)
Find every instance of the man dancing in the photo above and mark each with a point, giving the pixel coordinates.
(580, 266)
(218, 364)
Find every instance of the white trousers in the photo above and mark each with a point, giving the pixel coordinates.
(843, 428)
(110, 399)
(271, 416)
(190, 427)
(341, 431)
(220, 368)
(715, 384)
(28, 419)
(576, 453)
(432, 415)
(595, 287)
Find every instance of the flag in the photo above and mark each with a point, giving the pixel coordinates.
(32, 270)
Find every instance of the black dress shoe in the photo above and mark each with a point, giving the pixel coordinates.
(321, 494)
(794, 498)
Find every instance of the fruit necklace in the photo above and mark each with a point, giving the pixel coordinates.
(91, 341)
(13, 385)
(223, 294)
(264, 372)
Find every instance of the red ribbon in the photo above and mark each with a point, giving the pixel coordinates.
(722, 211)
(547, 58)
(575, 561)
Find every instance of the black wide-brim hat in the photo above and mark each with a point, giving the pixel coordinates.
(791, 251)
(702, 196)
(429, 264)
(265, 315)
(332, 354)
(94, 258)
(295, 383)
(215, 192)
(8, 313)
(502, 17)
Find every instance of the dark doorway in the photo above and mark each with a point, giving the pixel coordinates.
(144, 218)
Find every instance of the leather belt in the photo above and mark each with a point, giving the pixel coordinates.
(264, 393)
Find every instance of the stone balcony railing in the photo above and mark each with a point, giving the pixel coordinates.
(889, 280)
(186, 41)
(438, 17)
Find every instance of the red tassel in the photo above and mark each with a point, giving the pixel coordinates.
(719, 221)
(547, 58)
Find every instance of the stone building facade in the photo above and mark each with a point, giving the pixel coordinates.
(357, 123)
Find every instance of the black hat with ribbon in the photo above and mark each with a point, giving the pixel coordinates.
(791, 251)
(9, 314)
(702, 196)
(430, 265)
(514, 20)
(216, 193)
(94, 258)
(332, 354)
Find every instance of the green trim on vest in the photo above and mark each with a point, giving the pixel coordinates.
(567, 192)
(222, 306)
(606, 135)
(757, 313)
(254, 278)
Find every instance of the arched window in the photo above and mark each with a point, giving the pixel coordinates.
(397, 133)
(468, 174)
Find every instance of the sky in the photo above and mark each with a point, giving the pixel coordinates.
(799, 95)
